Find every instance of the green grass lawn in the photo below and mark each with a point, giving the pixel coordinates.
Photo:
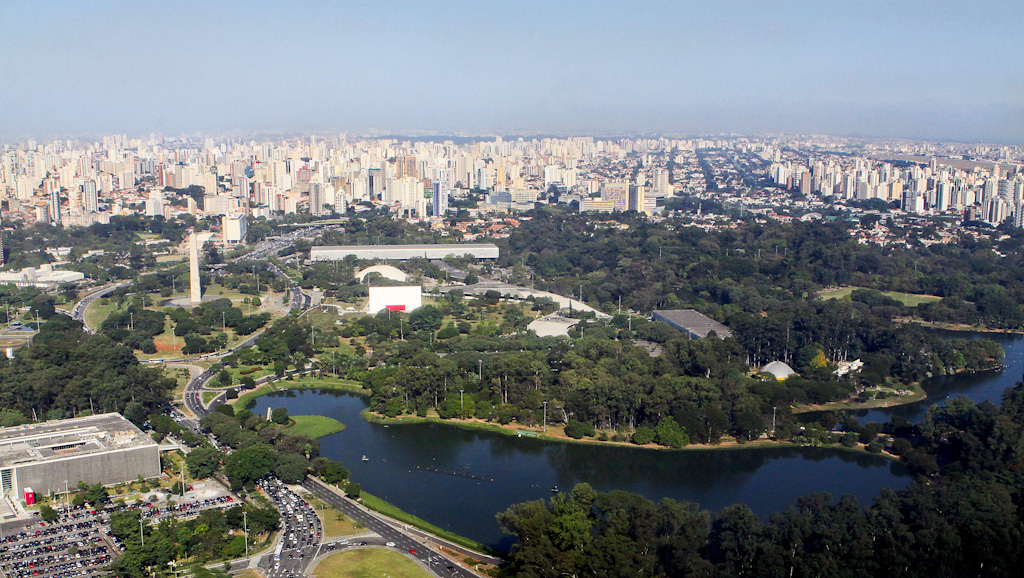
(181, 376)
(236, 373)
(335, 523)
(208, 396)
(393, 511)
(315, 426)
(96, 312)
(908, 299)
(322, 383)
(248, 397)
(368, 563)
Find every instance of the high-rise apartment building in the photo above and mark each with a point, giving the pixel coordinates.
(316, 200)
(405, 166)
(90, 196)
(617, 194)
(54, 205)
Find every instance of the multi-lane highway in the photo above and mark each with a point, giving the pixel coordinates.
(392, 534)
(301, 536)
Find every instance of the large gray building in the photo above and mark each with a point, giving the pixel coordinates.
(404, 252)
(696, 324)
(104, 448)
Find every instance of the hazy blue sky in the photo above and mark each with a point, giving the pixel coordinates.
(945, 70)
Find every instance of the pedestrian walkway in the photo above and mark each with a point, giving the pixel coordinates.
(6, 511)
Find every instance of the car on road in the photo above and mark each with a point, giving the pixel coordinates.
(390, 544)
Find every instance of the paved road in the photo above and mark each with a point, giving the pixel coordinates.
(403, 542)
(303, 542)
(78, 313)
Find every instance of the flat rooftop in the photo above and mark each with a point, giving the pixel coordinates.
(693, 321)
(60, 439)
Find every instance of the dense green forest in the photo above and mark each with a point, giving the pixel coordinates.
(123, 257)
(756, 267)
(604, 380)
(66, 372)
(961, 517)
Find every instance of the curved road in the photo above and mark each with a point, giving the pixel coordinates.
(78, 313)
(390, 534)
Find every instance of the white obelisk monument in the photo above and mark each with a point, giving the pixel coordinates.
(195, 243)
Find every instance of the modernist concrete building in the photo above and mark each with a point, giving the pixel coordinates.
(696, 324)
(405, 298)
(404, 252)
(779, 370)
(386, 271)
(104, 448)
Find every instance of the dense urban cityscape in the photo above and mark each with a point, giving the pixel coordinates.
(75, 183)
(539, 289)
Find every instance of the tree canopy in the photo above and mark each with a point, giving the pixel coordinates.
(67, 371)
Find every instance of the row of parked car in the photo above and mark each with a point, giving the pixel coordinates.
(67, 548)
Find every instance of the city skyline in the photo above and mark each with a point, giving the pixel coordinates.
(936, 70)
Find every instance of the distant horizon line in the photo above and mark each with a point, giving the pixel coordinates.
(475, 135)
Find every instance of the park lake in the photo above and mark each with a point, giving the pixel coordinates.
(458, 479)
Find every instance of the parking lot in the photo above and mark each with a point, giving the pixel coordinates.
(79, 543)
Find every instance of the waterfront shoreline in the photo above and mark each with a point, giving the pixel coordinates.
(248, 399)
(918, 395)
(552, 435)
(957, 326)
(726, 445)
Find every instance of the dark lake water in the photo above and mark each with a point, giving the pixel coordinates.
(978, 387)
(525, 469)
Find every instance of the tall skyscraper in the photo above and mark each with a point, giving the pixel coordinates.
(442, 188)
(439, 199)
(316, 199)
(405, 166)
(54, 203)
(90, 197)
(155, 204)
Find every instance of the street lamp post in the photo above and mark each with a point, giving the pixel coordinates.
(245, 521)
(142, 535)
(545, 416)
(462, 404)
